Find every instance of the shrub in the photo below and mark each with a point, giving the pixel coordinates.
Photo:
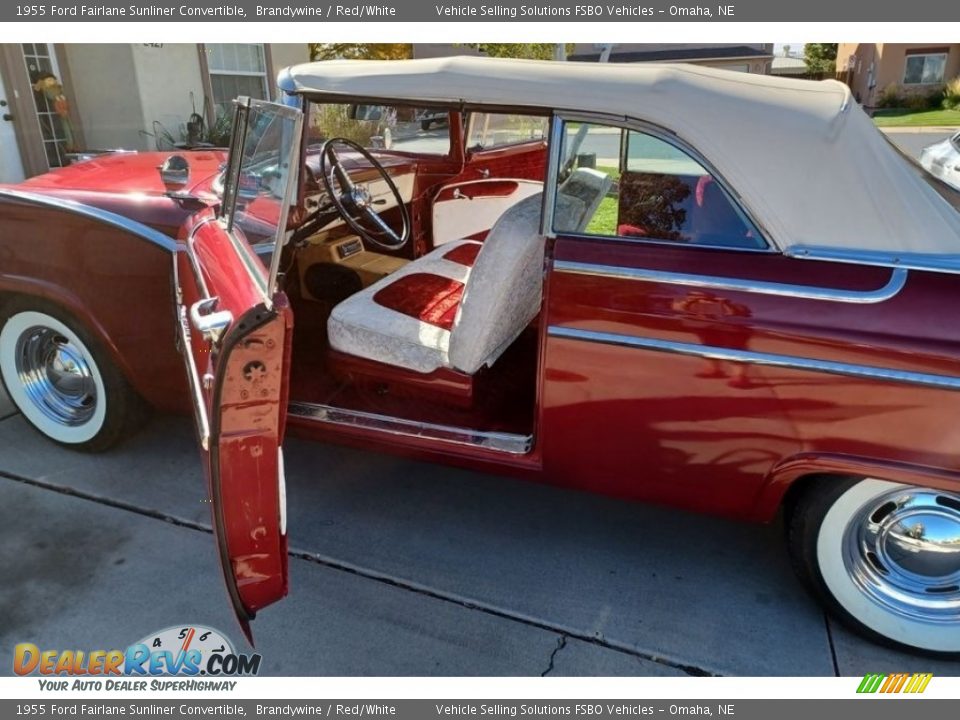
(890, 97)
(935, 99)
(915, 102)
(951, 95)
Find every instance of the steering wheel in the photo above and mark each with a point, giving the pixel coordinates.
(354, 201)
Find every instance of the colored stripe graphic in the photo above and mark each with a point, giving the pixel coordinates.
(895, 683)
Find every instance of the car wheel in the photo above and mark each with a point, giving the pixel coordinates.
(425, 125)
(884, 557)
(60, 379)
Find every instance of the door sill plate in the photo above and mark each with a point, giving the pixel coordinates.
(498, 441)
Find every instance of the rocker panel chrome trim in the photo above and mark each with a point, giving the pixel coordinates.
(499, 441)
(898, 278)
(145, 232)
(869, 372)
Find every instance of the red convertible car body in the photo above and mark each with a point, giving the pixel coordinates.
(744, 306)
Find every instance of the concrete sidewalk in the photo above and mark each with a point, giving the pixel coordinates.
(401, 568)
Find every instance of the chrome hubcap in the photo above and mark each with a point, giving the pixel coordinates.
(903, 551)
(56, 376)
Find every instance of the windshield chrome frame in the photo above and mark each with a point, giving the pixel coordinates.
(290, 193)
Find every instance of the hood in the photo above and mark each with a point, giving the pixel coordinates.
(129, 173)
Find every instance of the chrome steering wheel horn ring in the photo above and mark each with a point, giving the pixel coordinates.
(354, 202)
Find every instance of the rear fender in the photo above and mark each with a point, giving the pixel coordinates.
(111, 273)
(783, 476)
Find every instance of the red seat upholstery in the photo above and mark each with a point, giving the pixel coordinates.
(432, 299)
(464, 253)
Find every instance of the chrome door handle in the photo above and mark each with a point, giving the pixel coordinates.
(208, 321)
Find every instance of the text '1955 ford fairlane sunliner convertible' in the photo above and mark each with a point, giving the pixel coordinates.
(678, 285)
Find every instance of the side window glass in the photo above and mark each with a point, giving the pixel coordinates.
(493, 130)
(616, 183)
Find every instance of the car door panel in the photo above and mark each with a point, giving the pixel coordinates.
(238, 381)
(692, 372)
(235, 332)
(469, 209)
(491, 181)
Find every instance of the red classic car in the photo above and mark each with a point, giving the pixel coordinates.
(725, 293)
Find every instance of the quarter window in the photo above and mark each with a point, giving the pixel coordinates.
(236, 69)
(924, 69)
(624, 183)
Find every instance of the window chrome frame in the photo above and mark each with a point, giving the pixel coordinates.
(264, 277)
(623, 122)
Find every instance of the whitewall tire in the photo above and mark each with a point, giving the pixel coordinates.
(60, 380)
(884, 557)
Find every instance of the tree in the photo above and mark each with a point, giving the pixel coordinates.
(360, 51)
(821, 58)
(534, 51)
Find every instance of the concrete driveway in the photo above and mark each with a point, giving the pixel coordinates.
(404, 568)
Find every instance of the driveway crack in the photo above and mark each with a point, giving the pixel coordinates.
(406, 584)
(561, 644)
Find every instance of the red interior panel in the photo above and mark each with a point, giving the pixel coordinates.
(464, 254)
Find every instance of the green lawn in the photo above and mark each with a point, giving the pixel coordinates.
(901, 117)
(604, 221)
(613, 172)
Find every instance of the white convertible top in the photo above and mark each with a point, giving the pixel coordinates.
(806, 160)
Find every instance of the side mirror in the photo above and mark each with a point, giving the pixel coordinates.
(175, 173)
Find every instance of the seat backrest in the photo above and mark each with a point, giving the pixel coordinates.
(504, 289)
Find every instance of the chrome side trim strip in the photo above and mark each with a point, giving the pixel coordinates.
(105, 216)
(898, 278)
(193, 376)
(499, 441)
(192, 256)
(913, 261)
(869, 372)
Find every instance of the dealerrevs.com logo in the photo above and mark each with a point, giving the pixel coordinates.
(184, 650)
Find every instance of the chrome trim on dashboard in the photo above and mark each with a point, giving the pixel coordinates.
(910, 261)
(499, 441)
(869, 372)
(898, 278)
(119, 221)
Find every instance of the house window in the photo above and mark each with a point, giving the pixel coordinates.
(236, 69)
(924, 69)
(50, 103)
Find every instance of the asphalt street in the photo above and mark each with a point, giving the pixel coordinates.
(404, 568)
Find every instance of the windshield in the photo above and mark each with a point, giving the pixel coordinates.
(260, 179)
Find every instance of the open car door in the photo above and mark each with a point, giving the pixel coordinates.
(235, 335)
